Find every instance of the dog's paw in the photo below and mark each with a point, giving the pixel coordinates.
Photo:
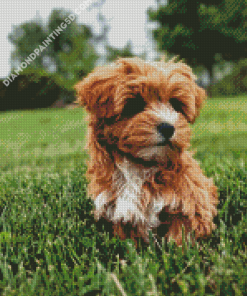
(100, 203)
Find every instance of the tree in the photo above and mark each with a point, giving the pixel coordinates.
(25, 38)
(69, 56)
(199, 30)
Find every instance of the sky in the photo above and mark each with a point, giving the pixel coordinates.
(127, 19)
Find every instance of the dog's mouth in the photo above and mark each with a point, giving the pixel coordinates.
(164, 143)
(169, 145)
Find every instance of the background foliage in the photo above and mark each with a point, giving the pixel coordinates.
(198, 30)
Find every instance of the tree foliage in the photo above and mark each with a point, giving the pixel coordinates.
(199, 30)
(70, 56)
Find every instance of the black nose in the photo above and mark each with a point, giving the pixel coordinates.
(166, 130)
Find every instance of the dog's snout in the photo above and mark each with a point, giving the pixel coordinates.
(166, 130)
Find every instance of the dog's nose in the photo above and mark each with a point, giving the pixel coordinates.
(166, 130)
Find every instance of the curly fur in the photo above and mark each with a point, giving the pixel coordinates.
(137, 178)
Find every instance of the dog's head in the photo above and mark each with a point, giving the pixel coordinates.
(141, 108)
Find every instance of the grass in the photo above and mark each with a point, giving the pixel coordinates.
(35, 136)
(222, 126)
(50, 244)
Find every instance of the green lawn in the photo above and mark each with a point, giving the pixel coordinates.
(41, 136)
(28, 136)
(50, 244)
(222, 126)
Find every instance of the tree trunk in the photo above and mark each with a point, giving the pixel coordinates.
(211, 74)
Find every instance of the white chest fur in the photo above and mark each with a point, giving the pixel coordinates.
(128, 180)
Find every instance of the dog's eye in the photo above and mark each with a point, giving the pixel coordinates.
(110, 120)
(177, 105)
(133, 106)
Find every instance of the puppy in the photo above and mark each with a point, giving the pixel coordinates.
(142, 176)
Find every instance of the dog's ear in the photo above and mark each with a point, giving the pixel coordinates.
(100, 166)
(194, 104)
(182, 85)
(96, 91)
(200, 97)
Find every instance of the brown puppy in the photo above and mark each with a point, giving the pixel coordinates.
(141, 173)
